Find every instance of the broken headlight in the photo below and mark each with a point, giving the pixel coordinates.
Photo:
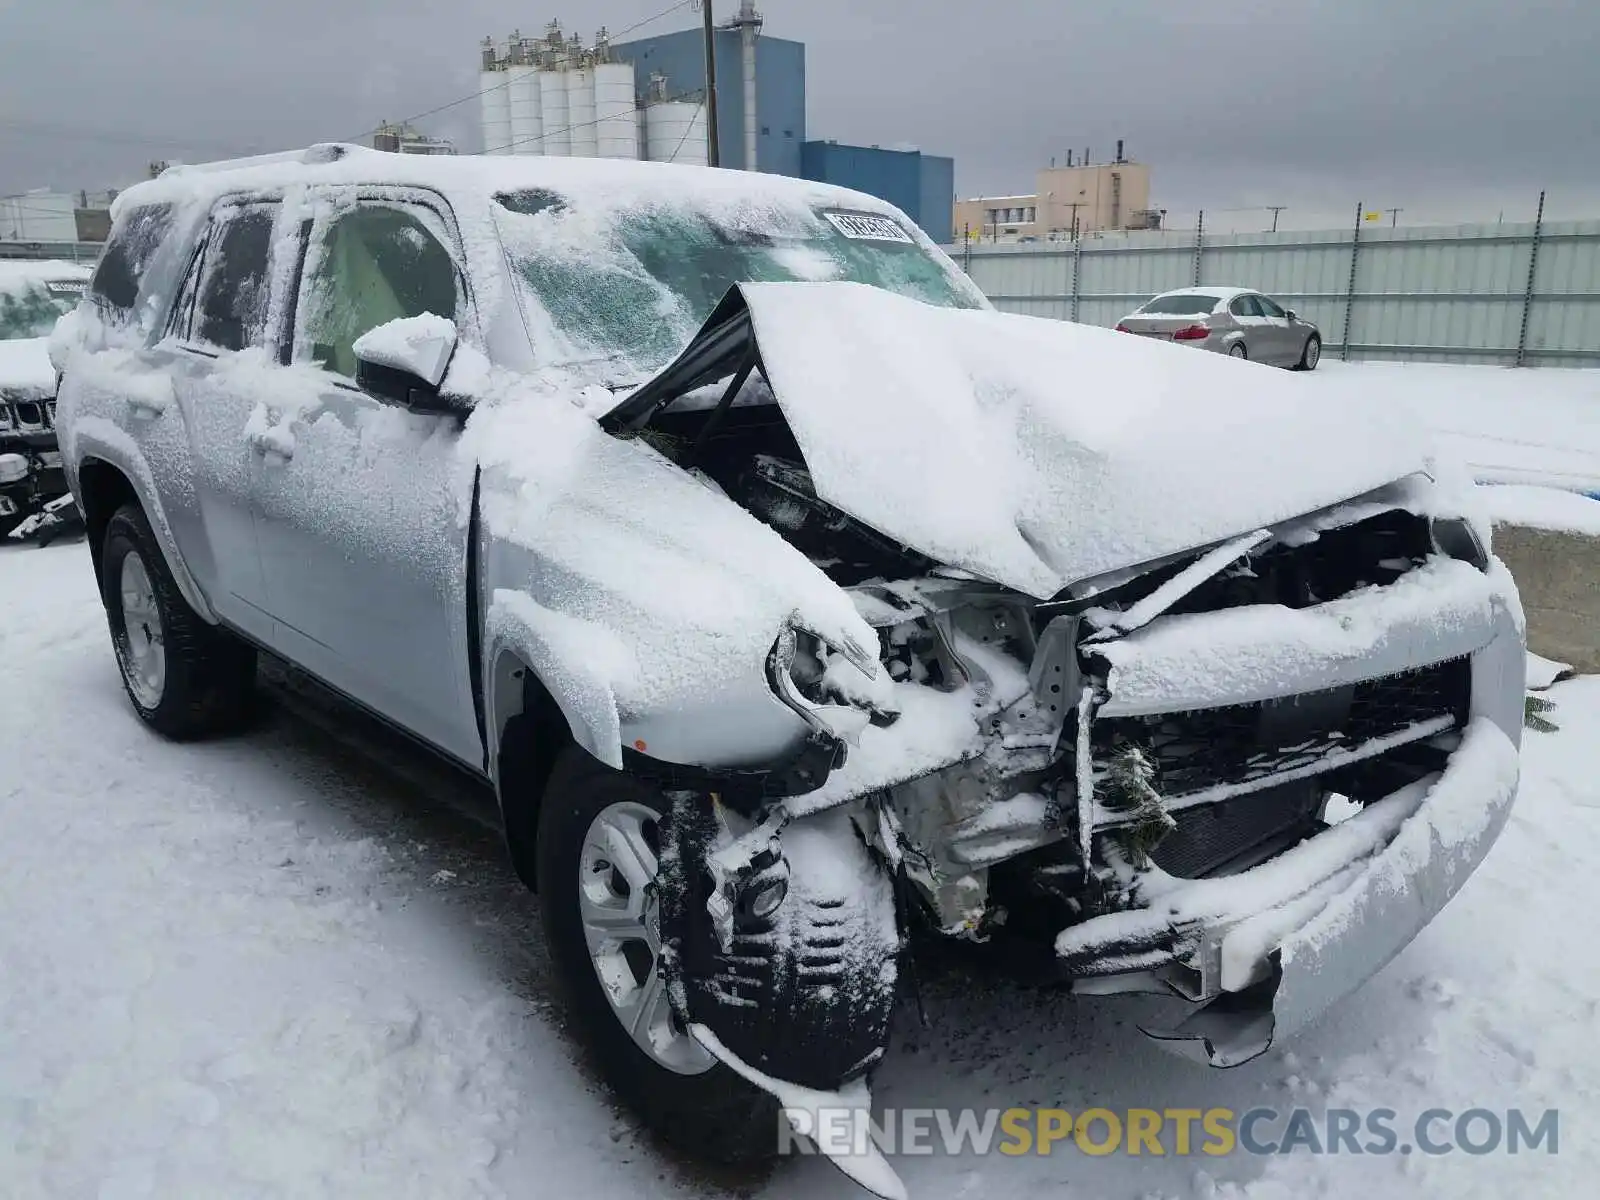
(1456, 537)
(831, 690)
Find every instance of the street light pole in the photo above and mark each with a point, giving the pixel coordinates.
(1275, 209)
(713, 142)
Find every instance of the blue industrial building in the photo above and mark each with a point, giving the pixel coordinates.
(780, 90)
(921, 185)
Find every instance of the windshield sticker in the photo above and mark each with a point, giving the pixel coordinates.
(863, 227)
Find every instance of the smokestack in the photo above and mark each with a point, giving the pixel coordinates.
(1069, 158)
(1086, 156)
(1119, 149)
(749, 24)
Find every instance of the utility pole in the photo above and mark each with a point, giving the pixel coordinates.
(713, 145)
(1394, 216)
(1275, 209)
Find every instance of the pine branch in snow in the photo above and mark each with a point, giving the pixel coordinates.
(1533, 714)
(1127, 786)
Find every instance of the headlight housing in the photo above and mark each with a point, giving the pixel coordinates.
(826, 687)
(1456, 537)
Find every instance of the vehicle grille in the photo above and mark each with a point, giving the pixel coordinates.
(1247, 771)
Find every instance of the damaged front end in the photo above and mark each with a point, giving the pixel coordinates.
(1244, 775)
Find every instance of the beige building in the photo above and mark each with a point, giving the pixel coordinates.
(1114, 195)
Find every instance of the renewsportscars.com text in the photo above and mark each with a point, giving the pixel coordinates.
(1172, 1131)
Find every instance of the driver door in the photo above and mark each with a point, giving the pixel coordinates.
(362, 504)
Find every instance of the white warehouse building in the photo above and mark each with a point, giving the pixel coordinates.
(553, 96)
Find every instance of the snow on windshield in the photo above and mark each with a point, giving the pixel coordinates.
(33, 296)
(631, 283)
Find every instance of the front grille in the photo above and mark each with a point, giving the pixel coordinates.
(1240, 747)
(29, 413)
(1211, 837)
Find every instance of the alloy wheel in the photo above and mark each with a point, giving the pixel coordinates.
(620, 912)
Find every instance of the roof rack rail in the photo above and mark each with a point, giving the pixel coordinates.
(322, 152)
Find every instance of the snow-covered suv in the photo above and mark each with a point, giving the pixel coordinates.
(790, 597)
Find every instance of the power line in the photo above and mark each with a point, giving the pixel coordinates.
(666, 12)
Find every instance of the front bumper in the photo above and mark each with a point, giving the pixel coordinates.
(1262, 953)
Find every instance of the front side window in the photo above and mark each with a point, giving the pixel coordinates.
(1270, 308)
(1244, 306)
(373, 264)
(635, 282)
(230, 307)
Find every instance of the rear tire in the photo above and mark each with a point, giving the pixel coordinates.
(1311, 355)
(185, 678)
(713, 1114)
(1237, 350)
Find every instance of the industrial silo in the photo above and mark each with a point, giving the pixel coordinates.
(675, 131)
(581, 112)
(527, 124)
(496, 111)
(557, 139)
(616, 112)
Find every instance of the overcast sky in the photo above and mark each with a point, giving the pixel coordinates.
(1450, 109)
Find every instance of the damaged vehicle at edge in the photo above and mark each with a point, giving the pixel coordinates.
(790, 598)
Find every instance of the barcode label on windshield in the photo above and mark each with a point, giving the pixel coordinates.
(865, 228)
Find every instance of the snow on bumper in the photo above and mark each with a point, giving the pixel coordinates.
(1266, 951)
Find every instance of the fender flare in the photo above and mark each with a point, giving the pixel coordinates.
(95, 439)
(524, 636)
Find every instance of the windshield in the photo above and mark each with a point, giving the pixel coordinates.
(634, 284)
(1187, 304)
(31, 309)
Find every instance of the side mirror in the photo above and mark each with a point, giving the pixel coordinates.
(405, 361)
(1289, 313)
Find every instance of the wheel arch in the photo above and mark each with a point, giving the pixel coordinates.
(102, 486)
(528, 730)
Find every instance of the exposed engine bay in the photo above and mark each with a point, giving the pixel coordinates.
(1058, 805)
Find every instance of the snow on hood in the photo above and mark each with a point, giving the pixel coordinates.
(24, 362)
(1040, 453)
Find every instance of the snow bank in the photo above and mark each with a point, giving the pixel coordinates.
(989, 441)
(1543, 508)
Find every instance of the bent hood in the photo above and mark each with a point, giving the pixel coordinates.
(1039, 453)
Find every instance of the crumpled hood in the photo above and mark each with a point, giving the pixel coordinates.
(1040, 453)
(25, 362)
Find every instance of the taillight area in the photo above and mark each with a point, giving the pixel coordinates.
(1192, 333)
(1121, 328)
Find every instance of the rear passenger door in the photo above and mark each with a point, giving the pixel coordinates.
(362, 504)
(220, 348)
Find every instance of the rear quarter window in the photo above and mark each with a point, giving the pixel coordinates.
(135, 238)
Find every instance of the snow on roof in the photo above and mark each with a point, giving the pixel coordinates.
(611, 181)
(1220, 291)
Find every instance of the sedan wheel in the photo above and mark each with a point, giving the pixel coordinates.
(620, 912)
(1237, 350)
(1313, 353)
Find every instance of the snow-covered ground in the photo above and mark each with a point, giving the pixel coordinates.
(1512, 426)
(295, 965)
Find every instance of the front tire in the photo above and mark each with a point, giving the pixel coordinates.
(600, 835)
(1311, 355)
(186, 679)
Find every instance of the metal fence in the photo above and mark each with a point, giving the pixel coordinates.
(78, 252)
(1513, 294)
